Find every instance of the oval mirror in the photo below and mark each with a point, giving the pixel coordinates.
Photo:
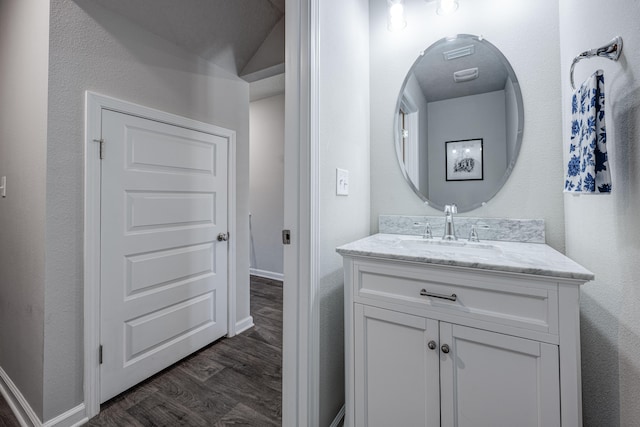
(459, 122)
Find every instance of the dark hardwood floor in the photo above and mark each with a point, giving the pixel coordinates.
(7, 419)
(233, 382)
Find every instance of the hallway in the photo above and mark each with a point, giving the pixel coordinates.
(235, 381)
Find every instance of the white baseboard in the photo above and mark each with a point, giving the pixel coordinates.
(266, 274)
(72, 418)
(244, 324)
(338, 419)
(21, 409)
(27, 417)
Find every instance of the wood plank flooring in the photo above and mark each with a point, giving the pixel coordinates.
(233, 382)
(7, 419)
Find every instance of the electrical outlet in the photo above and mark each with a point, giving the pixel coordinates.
(342, 182)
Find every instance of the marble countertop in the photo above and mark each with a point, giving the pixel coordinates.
(526, 258)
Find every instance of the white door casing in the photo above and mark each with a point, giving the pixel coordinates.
(164, 194)
(301, 330)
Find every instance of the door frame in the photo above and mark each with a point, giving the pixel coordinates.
(301, 326)
(94, 104)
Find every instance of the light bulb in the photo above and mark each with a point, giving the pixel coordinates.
(446, 7)
(396, 10)
(395, 20)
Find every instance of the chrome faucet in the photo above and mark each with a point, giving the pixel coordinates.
(449, 228)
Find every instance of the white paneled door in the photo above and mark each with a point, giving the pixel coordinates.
(163, 290)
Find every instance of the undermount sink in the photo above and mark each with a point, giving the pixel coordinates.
(449, 246)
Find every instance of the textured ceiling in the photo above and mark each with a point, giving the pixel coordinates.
(226, 32)
(435, 74)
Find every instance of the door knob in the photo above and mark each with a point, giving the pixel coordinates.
(445, 348)
(223, 237)
(432, 345)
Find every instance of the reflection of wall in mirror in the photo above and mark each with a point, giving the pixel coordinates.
(469, 117)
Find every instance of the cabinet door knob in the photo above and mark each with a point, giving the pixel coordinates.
(432, 345)
(445, 348)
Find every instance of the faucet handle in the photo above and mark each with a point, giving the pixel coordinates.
(428, 234)
(473, 234)
(451, 209)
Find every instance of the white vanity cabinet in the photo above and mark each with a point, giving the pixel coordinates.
(444, 345)
(479, 378)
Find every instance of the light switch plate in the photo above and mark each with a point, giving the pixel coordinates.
(342, 182)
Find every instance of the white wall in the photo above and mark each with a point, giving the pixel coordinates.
(603, 232)
(526, 32)
(468, 117)
(24, 45)
(266, 190)
(92, 49)
(343, 63)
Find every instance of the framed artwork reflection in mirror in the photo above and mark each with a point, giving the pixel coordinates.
(464, 161)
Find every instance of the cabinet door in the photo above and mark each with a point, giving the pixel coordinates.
(493, 380)
(396, 373)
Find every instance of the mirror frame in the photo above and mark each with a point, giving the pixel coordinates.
(520, 124)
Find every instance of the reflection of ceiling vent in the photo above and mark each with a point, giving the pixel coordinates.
(465, 75)
(459, 53)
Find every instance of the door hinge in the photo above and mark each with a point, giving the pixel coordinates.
(101, 142)
(286, 237)
(100, 354)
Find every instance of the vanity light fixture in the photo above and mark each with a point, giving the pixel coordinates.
(395, 19)
(446, 7)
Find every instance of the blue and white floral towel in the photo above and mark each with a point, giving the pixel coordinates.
(588, 167)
